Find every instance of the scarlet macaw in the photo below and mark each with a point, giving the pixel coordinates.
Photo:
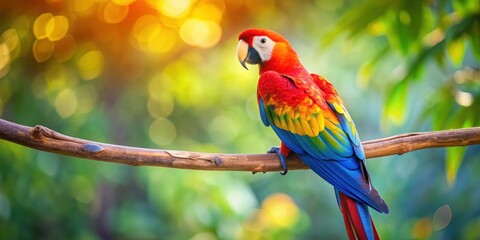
(310, 119)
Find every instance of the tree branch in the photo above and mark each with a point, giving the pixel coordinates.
(44, 139)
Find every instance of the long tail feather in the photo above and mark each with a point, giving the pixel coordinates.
(357, 219)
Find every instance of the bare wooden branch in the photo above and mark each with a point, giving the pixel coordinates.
(44, 139)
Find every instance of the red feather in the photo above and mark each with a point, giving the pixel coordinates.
(352, 220)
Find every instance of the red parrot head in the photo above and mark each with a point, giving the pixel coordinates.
(266, 48)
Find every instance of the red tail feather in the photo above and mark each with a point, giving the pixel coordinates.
(352, 219)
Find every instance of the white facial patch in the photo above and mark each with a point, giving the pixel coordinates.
(264, 47)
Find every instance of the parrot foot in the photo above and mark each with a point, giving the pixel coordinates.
(283, 159)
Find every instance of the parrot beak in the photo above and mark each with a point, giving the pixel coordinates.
(247, 54)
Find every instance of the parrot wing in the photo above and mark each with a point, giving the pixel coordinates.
(311, 120)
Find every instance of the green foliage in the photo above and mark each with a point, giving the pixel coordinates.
(422, 34)
(141, 73)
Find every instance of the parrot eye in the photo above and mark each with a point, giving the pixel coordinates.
(264, 46)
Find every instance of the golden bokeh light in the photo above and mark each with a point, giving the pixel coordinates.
(56, 78)
(150, 36)
(90, 65)
(143, 26)
(82, 5)
(422, 229)
(264, 8)
(56, 27)
(22, 26)
(162, 132)
(161, 40)
(10, 39)
(172, 8)
(160, 106)
(280, 210)
(88, 95)
(52, 27)
(199, 33)
(40, 25)
(114, 13)
(42, 49)
(123, 2)
(223, 129)
(464, 99)
(66, 103)
(4, 60)
(209, 11)
(161, 102)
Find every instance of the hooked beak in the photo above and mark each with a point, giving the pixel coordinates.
(247, 54)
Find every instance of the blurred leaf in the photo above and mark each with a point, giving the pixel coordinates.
(453, 160)
(465, 7)
(367, 69)
(406, 22)
(417, 65)
(456, 51)
(475, 39)
(463, 26)
(415, 10)
(365, 74)
(396, 104)
(355, 20)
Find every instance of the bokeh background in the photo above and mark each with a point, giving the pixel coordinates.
(164, 74)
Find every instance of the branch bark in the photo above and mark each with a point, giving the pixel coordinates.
(44, 139)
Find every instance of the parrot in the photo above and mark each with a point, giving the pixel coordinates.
(307, 114)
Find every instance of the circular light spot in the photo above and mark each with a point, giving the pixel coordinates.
(464, 99)
(143, 26)
(42, 49)
(22, 25)
(4, 60)
(208, 12)
(441, 217)
(113, 13)
(160, 106)
(200, 33)
(161, 40)
(90, 64)
(56, 27)
(40, 25)
(82, 5)
(66, 103)
(173, 8)
(10, 39)
(150, 36)
(162, 132)
(88, 95)
(422, 228)
(123, 2)
(280, 210)
(223, 129)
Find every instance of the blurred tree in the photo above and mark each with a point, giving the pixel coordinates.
(162, 73)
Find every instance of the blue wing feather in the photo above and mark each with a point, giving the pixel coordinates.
(263, 114)
(335, 157)
(352, 134)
